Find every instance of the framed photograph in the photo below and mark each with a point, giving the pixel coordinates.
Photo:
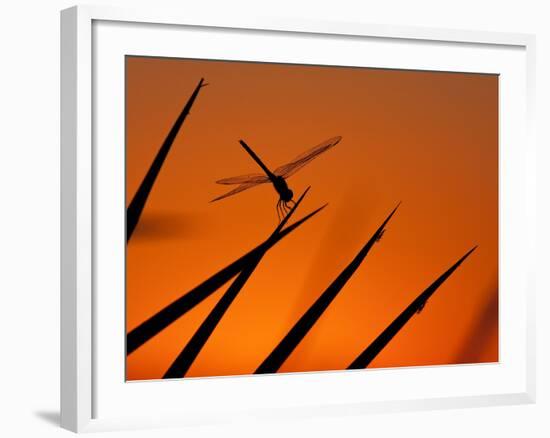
(285, 218)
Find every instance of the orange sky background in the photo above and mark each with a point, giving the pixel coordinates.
(428, 139)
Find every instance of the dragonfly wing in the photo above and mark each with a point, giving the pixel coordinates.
(236, 190)
(301, 160)
(251, 178)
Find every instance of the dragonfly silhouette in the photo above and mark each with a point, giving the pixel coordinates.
(277, 177)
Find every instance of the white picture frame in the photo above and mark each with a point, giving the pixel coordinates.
(90, 401)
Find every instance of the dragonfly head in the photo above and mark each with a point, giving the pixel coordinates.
(287, 195)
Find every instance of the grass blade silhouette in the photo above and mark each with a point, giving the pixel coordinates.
(190, 352)
(368, 355)
(137, 204)
(187, 356)
(163, 318)
(278, 356)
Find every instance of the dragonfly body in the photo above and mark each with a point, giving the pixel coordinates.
(277, 177)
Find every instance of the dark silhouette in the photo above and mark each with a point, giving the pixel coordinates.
(367, 356)
(190, 352)
(278, 356)
(162, 319)
(137, 204)
(277, 177)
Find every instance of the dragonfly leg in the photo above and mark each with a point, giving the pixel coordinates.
(278, 212)
(281, 210)
(284, 207)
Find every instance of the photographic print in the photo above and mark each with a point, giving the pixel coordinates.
(302, 218)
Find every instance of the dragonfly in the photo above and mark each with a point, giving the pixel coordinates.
(276, 177)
